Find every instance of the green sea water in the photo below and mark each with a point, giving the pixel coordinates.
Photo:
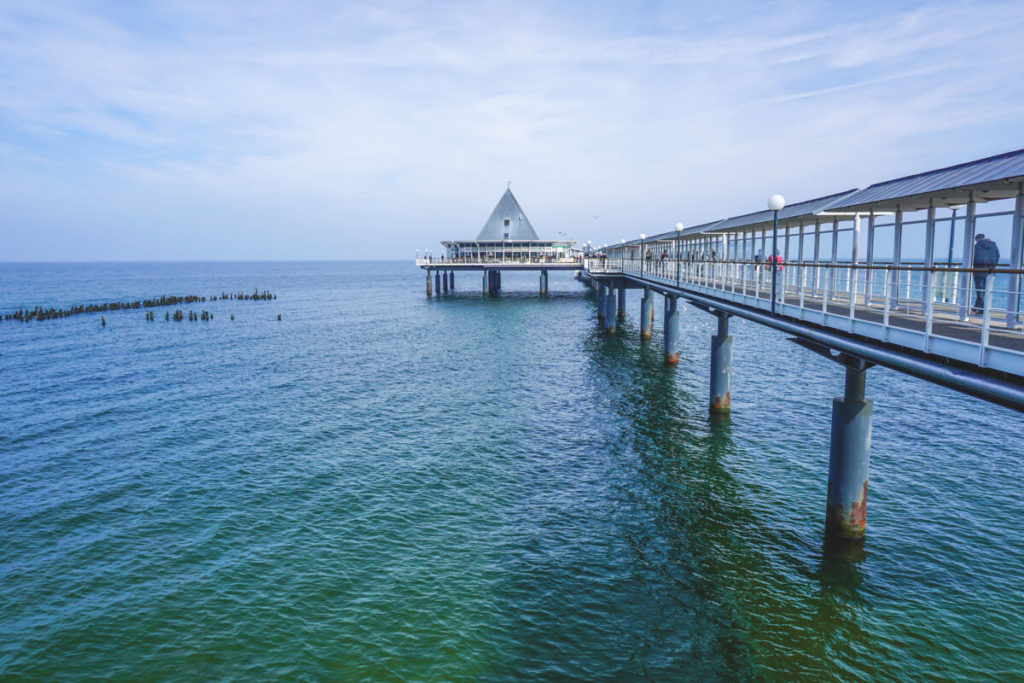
(382, 486)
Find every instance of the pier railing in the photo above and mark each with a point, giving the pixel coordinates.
(930, 309)
(497, 260)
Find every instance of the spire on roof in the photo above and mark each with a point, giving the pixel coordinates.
(507, 221)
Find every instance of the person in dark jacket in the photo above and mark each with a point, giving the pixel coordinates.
(986, 255)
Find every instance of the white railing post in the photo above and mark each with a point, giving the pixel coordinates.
(929, 313)
(853, 295)
(888, 304)
(986, 319)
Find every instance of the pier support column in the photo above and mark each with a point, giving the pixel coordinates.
(497, 280)
(543, 282)
(599, 295)
(487, 279)
(437, 282)
(451, 280)
(721, 367)
(429, 290)
(646, 314)
(671, 330)
(622, 302)
(848, 458)
(444, 281)
(609, 309)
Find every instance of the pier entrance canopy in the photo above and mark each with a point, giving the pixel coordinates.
(508, 236)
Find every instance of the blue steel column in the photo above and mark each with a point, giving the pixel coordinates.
(848, 458)
(444, 281)
(497, 278)
(543, 282)
(646, 313)
(437, 282)
(721, 367)
(671, 330)
(622, 301)
(451, 280)
(487, 281)
(609, 309)
(599, 291)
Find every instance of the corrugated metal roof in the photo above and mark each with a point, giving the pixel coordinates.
(789, 214)
(953, 179)
(507, 221)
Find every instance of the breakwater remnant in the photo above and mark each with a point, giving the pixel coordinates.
(40, 313)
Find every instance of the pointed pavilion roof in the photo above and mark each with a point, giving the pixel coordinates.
(507, 222)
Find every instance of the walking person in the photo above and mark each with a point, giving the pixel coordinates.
(986, 255)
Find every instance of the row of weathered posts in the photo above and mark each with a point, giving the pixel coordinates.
(40, 313)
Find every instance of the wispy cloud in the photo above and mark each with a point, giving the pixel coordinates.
(199, 119)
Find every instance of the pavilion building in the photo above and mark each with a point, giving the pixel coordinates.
(508, 236)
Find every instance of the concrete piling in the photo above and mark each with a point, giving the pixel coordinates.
(671, 330)
(444, 282)
(849, 455)
(609, 309)
(543, 282)
(621, 313)
(599, 291)
(429, 291)
(646, 314)
(721, 367)
(437, 282)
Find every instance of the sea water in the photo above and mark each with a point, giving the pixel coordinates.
(382, 486)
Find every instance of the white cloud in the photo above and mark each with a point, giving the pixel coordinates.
(411, 116)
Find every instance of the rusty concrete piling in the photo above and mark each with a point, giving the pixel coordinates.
(429, 291)
(543, 282)
(721, 367)
(609, 308)
(849, 455)
(646, 314)
(671, 330)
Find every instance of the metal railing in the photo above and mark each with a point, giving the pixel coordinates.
(535, 259)
(970, 314)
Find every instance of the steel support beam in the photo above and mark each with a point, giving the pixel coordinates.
(622, 301)
(849, 455)
(671, 329)
(1016, 253)
(609, 309)
(721, 367)
(646, 313)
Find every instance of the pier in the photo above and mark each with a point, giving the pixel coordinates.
(838, 280)
(507, 242)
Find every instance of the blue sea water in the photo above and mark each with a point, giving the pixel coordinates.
(382, 486)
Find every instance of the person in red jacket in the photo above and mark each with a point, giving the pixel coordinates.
(776, 259)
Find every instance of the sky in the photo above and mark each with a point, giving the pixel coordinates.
(266, 129)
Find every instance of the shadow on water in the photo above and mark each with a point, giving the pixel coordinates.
(771, 612)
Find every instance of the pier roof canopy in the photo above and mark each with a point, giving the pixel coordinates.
(507, 222)
(990, 178)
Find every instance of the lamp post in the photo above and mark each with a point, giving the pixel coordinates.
(776, 203)
(642, 238)
(679, 273)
